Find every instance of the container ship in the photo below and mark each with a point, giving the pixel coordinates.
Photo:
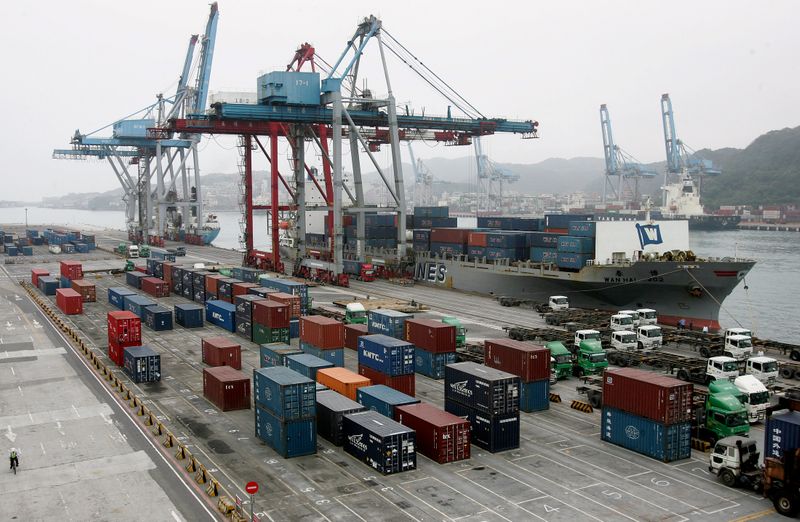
(597, 264)
(683, 203)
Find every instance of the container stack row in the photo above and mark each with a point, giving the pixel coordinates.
(647, 413)
(285, 411)
(322, 337)
(435, 346)
(389, 361)
(529, 362)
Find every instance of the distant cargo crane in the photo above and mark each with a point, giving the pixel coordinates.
(682, 160)
(620, 165)
(423, 181)
(139, 150)
(316, 111)
(491, 177)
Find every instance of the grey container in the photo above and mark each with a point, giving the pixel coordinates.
(331, 409)
(381, 443)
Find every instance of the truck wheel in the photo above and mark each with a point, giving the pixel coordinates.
(683, 375)
(704, 352)
(785, 503)
(596, 400)
(787, 373)
(640, 345)
(795, 355)
(578, 372)
(727, 477)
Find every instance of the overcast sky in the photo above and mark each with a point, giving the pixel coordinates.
(729, 66)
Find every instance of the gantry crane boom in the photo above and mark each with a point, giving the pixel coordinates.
(620, 164)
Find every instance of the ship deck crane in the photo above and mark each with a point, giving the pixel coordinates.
(366, 122)
(140, 153)
(681, 159)
(619, 164)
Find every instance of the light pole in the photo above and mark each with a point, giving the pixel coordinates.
(26, 217)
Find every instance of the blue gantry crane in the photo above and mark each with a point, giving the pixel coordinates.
(141, 154)
(623, 171)
(491, 177)
(303, 107)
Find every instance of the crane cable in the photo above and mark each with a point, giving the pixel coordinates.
(712, 297)
(433, 73)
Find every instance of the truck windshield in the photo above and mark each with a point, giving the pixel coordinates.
(563, 358)
(736, 419)
(625, 320)
(745, 343)
(759, 397)
(358, 314)
(730, 366)
(627, 339)
(769, 367)
(560, 301)
(591, 336)
(656, 332)
(648, 315)
(597, 357)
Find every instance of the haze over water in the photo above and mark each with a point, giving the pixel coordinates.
(768, 305)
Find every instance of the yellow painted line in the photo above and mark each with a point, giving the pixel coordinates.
(755, 516)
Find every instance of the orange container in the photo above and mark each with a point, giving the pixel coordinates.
(342, 380)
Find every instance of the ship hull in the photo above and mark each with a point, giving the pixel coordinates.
(708, 221)
(678, 290)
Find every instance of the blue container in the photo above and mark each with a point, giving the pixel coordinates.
(289, 439)
(64, 282)
(244, 305)
(543, 239)
(334, 356)
(512, 254)
(30, 232)
(563, 220)
(275, 354)
(582, 228)
(450, 249)
(423, 236)
(383, 399)
(260, 291)
(82, 248)
(428, 212)
(476, 251)
(28, 251)
(534, 396)
(479, 387)
(67, 248)
(284, 392)
(494, 433)
(666, 443)
(142, 364)
(12, 250)
(573, 261)
(221, 313)
(505, 239)
(576, 244)
(387, 355)
(383, 444)
(199, 279)
(137, 303)
(289, 87)
(157, 318)
(294, 328)
(435, 222)
(244, 327)
(288, 287)
(199, 295)
(379, 220)
(307, 365)
(432, 364)
(388, 322)
(543, 255)
(187, 290)
(189, 315)
(781, 434)
(48, 285)
(134, 278)
(133, 128)
(116, 295)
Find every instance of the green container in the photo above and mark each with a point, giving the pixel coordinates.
(265, 335)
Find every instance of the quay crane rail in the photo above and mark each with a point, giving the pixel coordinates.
(323, 115)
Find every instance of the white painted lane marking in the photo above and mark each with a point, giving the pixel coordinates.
(34, 353)
(67, 414)
(12, 371)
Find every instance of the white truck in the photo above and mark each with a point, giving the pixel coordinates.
(558, 302)
(634, 316)
(765, 369)
(621, 322)
(722, 367)
(586, 335)
(133, 252)
(756, 397)
(649, 337)
(740, 347)
(647, 316)
(738, 331)
(624, 341)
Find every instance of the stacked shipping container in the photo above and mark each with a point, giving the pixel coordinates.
(323, 337)
(389, 361)
(270, 320)
(124, 329)
(441, 436)
(380, 442)
(435, 346)
(285, 411)
(221, 351)
(529, 362)
(647, 413)
(227, 388)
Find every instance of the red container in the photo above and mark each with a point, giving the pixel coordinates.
(657, 397)
(155, 286)
(531, 362)
(351, 334)
(401, 383)
(142, 269)
(241, 288)
(292, 301)
(552, 230)
(117, 354)
(270, 314)
(36, 273)
(229, 389)
(69, 301)
(72, 269)
(449, 235)
(212, 283)
(441, 436)
(167, 268)
(86, 289)
(431, 336)
(476, 239)
(124, 328)
(221, 351)
(323, 332)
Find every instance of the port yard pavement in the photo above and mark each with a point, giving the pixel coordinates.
(562, 471)
(81, 457)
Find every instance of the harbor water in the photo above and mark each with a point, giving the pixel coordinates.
(764, 302)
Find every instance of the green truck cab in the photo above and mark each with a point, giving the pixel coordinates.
(355, 313)
(461, 332)
(725, 416)
(590, 358)
(563, 364)
(724, 386)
